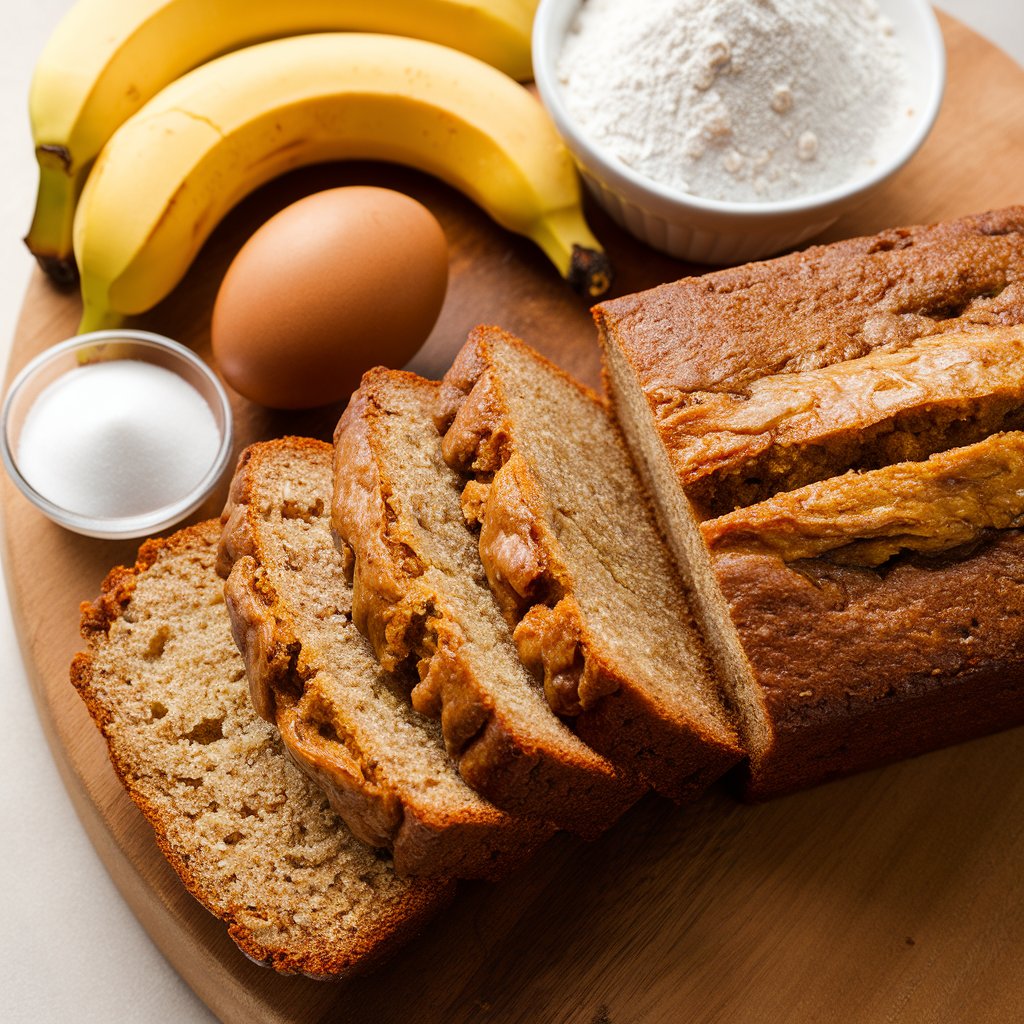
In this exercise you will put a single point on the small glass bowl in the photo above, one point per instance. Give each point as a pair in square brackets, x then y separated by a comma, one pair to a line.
[103, 346]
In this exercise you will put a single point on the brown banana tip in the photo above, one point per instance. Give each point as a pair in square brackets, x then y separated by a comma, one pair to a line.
[590, 272]
[61, 270]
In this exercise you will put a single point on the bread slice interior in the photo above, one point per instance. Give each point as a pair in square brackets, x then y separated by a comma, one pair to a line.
[575, 556]
[251, 837]
[343, 719]
[422, 596]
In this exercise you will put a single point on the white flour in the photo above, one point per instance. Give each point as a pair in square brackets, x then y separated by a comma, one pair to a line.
[738, 99]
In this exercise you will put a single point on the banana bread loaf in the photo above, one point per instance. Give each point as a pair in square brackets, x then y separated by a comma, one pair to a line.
[249, 835]
[422, 597]
[344, 721]
[764, 386]
[577, 563]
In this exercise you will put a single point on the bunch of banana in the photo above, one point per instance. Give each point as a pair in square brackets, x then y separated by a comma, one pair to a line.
[170, 173]
[108, 57]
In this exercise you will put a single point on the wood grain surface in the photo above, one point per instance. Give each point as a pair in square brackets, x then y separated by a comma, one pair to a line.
[894, 896]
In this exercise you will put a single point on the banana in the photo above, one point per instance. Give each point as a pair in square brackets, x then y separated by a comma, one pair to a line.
[170, 173]
[108, 57]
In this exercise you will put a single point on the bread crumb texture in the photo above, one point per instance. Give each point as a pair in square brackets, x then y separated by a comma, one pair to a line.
[344, 720]
[251, 837]
[422, 596]
[576, 561]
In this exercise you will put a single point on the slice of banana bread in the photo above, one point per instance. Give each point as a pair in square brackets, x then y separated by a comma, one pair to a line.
[421, 595]
[739, 386]
[575, 558]
[343, 720]
[250, 836]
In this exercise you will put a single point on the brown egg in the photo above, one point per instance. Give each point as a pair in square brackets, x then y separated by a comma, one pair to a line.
[336, 283]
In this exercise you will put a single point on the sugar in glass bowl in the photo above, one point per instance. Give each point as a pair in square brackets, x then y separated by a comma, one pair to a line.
[716, 231]
[116, 434]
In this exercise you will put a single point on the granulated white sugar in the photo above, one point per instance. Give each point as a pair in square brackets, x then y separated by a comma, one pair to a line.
[740, 100]
[117, 438]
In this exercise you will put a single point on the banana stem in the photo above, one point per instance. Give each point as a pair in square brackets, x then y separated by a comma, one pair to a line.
[99, 318]
[590, 273]
[49, 237]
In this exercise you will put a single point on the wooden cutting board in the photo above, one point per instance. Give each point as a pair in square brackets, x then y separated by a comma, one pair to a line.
[894, 896]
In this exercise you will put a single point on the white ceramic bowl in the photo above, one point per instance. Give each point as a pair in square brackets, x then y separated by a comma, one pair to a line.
[713, 231]
[101, 346]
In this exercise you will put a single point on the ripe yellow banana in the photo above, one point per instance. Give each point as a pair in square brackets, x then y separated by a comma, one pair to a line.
[170, 173]
[108, 57]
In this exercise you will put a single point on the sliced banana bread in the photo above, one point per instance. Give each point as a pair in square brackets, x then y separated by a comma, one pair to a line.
[421, 595]
[343, 720]
[250, 836]
[576, 560]
[763, 386]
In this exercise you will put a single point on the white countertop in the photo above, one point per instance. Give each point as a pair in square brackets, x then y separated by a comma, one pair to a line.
[70, 947]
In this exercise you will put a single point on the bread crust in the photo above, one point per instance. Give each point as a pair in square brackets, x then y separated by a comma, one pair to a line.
[950, 500]
[824, 305]
[857, 668]
[773, 375]
[526, 567]
[791, 429]
[290, 688]
[410, 623]
[396, 921]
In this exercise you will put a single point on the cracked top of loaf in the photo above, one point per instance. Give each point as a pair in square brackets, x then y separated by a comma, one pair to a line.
[949, 500]
[772, 375]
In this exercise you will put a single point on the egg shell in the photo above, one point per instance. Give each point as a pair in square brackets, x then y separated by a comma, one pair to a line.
[337, 282]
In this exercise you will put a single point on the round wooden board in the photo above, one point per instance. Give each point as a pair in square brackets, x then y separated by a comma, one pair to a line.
[893, 896]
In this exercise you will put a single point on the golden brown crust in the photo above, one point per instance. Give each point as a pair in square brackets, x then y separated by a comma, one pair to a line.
[520, 553]
[260, 624]
[291, 689]
[396, 921]
[385, 605]
[733, 365]
[856, 668]
[950, 500]
[553, 643]
[397, 605]
[275, 666]
[786, 430]
[526, 567]
[823, 305]
[518, 550]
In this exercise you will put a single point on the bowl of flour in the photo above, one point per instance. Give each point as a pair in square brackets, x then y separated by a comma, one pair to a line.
[720, 131]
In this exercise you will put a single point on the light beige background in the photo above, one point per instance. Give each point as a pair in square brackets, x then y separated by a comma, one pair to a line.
[70, 949]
